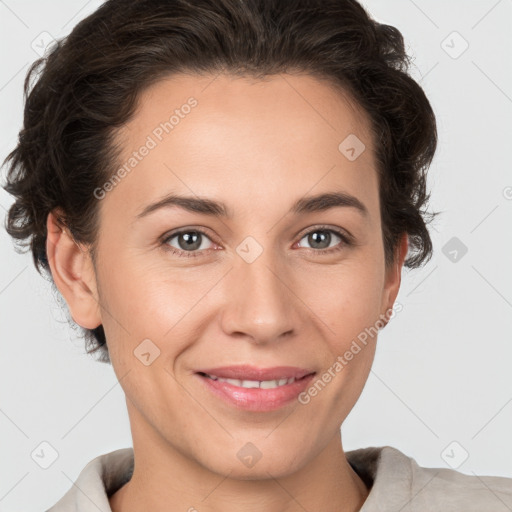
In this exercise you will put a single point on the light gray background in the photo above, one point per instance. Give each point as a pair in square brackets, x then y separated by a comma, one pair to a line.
[442, 371]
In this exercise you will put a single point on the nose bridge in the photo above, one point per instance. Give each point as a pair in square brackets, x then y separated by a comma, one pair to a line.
[260, 302]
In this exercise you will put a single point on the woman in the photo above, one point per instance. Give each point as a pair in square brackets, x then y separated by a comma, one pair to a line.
[225, 194]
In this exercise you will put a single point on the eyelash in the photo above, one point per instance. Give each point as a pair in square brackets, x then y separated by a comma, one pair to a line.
[346, 242]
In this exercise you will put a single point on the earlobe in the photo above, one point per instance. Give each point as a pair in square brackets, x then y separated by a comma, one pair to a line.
[73, 273]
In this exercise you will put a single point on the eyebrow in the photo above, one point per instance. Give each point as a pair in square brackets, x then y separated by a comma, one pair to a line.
[316, 203]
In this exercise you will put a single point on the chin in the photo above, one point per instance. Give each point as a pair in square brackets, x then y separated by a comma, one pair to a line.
[276, 465]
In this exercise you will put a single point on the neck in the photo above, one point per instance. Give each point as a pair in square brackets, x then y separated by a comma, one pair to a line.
[165, 478]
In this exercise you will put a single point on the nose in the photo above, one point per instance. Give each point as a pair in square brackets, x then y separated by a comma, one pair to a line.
[261, 303]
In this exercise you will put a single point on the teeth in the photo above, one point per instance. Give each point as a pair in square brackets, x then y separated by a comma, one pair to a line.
[263, 384]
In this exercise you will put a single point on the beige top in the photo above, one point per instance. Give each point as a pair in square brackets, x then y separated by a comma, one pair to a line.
[397, 484]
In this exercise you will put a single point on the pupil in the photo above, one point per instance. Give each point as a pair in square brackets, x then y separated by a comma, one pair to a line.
[191, 240]
[322, 235]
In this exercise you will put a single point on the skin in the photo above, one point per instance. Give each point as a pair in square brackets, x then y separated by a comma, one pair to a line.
[257, 146]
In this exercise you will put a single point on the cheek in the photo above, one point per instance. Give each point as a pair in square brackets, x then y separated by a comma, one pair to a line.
[347, 304]
[145, 299]
[152, 302]
[346, 299]
[346, 307]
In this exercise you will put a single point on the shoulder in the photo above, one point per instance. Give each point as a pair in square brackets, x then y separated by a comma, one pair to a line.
[399, 483]
[100, 478]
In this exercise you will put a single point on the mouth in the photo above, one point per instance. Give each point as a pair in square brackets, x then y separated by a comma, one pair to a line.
[248, 372]
[254, 394]
[252, 384]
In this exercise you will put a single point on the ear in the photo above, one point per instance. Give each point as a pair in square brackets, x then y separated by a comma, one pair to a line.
[393, 277]
[73, 273]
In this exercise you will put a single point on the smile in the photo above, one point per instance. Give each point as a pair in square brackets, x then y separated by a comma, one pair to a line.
[263, 384]
[255, 395]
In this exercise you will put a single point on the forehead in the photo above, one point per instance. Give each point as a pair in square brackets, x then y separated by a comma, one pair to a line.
[211, 135]
[308, 102]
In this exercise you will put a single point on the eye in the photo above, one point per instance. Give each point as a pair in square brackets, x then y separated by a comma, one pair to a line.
[189, 242]
[321, 237]
[192, 242]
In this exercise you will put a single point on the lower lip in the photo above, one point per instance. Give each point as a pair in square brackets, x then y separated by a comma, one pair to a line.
[256, 399]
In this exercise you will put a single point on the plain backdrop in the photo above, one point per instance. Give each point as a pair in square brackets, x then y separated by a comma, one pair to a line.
[441, 386]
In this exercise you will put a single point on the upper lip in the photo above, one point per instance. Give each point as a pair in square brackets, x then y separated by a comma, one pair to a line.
[248, 372]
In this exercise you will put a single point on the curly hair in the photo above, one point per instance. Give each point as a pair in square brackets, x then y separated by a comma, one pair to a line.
[87, 85]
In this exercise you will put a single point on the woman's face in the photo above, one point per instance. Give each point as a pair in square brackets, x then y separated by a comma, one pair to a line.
[274, 279]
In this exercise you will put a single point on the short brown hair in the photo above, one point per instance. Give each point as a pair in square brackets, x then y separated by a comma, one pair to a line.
[89, 82]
